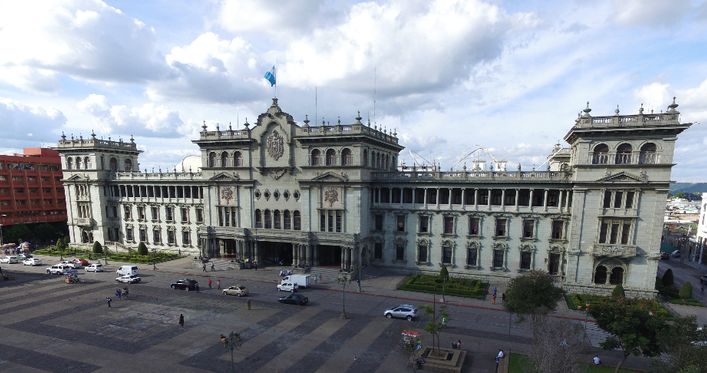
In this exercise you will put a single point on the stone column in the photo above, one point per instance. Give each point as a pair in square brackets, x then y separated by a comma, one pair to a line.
[530, 201]
[308, 255]
[517, 198]
[503, 198]
[401, 196]
[450, 198]
[294, 253]
[425, 197]
[343, 260]
[476, 198]
[463, 198]
[437, 199]
[545, 200]
[256, 255]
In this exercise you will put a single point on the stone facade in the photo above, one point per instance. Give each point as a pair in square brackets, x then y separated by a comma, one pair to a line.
[325, 195]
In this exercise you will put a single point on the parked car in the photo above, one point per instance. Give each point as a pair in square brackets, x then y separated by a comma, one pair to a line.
[32, 262]
[676, 254]
[58, 269]
[81, 262]
[237, 290]
[128, 279]
[294, 298]
[95, 267]
[287, 286]
[71, 264]
[185, 284]
[664, 256]
[23, 256]
[403, 311]
[9, 259]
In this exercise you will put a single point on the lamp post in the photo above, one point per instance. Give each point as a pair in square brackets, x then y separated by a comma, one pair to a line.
[231, 343]
[343, 279]
[1, 242]
[586, 316]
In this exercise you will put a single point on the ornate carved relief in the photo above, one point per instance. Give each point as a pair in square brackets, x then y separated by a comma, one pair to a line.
[275, 145]
[331, 196]
[226, 194]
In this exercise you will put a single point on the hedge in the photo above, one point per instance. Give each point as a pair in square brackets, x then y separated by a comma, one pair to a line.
[461, 287]
[131, 257]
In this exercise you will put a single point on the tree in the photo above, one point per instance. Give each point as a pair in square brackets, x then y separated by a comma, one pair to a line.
[686, 290]
[16, 233]
[634, 324]
[532, 294]
[142, 248]
[435, 325]
[680, 354]
[97, 248]
[60, 248]
[444, 277]
[668, 280]
[618, 292]
[557, 346]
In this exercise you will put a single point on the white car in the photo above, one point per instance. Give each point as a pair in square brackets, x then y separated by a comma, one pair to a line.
[72, 264]
[237, 290]
[32, 262]
[95, 267]
[128, 279]
[58, 269]
[287, 286]
[9, 259]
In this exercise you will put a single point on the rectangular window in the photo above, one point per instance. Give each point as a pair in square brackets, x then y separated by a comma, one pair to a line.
[625, 233]
[143, 234]
[126, 211]
[156, 237]
[557, 226]
[424, 224]
[483, 196]
[469, 196]
[525, 258]
[129, 234]
[474, 225]
[378, 251]
[378, 221]
[602, 232]
[553, 266]
[614, 233]
[471, 256]
[498, 259]
[449, 225]
[199, 215]
[607, 199]
[171, 239]
[155, 211]
[419, 196]
[446, 255]
[524, 197]
[185, 214]
[496, 195]
[629, 199]
[617, 199]
[528, 228]
[322, 221]
[501, 227]
[510, 197]
[339, 220]
[186, 238]
[141, 213]
[422, 253]
[400, 252]
[169, 213]
[330, 221]
[400, 223]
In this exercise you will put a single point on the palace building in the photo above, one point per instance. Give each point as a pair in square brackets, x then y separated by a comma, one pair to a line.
[334, 195]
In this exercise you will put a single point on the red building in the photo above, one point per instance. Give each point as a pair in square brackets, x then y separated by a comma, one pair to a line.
[30, 188]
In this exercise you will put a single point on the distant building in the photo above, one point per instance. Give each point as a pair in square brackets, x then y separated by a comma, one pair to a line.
[30, 188]
[697, 252]
[333, 195]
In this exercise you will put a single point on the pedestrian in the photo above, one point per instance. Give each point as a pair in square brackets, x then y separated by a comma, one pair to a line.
[108, 300]
[503, 297]
[203, 267]
[358, 281]
[181, 320]
[596, 360]
[154, 266]
[209, 282]
[499, 356]
[125, 292]
[702, 288]
[213, 267]
[118, 293]
[255, 264]
[493, 299]
[495, 291]
[459, 344]
[218, 284]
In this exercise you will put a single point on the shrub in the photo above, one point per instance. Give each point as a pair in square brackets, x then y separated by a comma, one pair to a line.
[686, 290]
[142, 248]
[668, 280]
[618, 292]
[97, 248]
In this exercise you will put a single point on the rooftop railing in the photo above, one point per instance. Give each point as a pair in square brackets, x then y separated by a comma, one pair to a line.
[464, 175]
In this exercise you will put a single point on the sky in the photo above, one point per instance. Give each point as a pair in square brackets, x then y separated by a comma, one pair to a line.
[448, 76]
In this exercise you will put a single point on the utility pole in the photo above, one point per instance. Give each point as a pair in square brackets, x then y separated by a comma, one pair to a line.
[344, 277]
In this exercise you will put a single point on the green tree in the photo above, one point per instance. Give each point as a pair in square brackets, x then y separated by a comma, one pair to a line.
[686, 290]
[436, 323]
[532, 294]
[618, 292]
[16, 233]
[97, 247]
[681, 355]
[142, 248]
[60, 248]
[443, 277]
[634, 325]
[668, 279]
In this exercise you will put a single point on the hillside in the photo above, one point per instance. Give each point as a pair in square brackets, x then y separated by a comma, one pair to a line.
[688, 187]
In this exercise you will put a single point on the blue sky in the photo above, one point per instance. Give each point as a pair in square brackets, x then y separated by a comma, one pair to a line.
[450, 76]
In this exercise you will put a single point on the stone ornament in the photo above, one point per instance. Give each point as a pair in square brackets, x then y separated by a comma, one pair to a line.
[227, 194]
[275, 145]
[331, 195]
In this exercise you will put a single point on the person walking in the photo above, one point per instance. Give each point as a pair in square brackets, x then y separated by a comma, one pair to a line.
[255, 264]
[596, 360]
[358, 281]
[108, 300]
[499, 357]
[203, 267]
[493, 298]
[181, 320]
[118, 293]
[218, 284]
[209, 282]
[213, 267]
[125, 292]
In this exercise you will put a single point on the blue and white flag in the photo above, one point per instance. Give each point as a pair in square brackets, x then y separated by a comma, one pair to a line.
[270, 77]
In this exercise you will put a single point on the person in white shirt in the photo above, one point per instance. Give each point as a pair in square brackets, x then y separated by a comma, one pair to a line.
[596, 360]
[499, 356]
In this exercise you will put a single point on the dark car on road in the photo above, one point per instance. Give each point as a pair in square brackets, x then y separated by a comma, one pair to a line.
[294, 298]
[185, 284]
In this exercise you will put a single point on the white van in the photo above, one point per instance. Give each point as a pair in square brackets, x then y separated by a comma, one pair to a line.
[127, 270]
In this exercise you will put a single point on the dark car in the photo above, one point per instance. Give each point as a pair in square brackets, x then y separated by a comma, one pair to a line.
[294, 299]
[664, 255]
[185, 284]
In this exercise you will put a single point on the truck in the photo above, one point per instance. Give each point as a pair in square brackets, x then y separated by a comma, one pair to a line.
[302, 281]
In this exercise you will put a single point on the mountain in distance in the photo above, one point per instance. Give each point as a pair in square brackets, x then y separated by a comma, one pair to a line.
[677, 187]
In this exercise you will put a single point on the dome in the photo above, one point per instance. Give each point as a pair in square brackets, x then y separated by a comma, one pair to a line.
[190, 163]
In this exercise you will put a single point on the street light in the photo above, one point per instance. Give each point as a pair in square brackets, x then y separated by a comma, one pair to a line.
[343, 279]
[231, 343]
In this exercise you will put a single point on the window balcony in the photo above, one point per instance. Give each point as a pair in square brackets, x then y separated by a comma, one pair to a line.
[613, 251]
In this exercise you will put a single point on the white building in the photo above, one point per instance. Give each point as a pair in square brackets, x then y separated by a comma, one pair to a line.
[332, 195]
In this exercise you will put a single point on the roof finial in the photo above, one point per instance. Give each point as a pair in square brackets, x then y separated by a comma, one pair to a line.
[673, 106]
[93, 135]
[204, 126]
[640, 110]
[338, 120]
[63, 136]
[246, 124]
[617, 110]
[306, 120]
[358, 117]
[587, 110]
[132, 139]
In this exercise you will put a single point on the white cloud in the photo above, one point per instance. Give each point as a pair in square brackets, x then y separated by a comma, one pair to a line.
[83, 38]
[22, 124]
[650, 13]
[268, 16]
[653, 96]
[149, 119]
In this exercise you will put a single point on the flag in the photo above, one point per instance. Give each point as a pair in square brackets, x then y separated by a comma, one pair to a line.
[270, 77]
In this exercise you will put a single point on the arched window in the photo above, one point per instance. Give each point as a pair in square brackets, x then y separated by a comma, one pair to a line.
[103, 160]
[78, 163]
[617, 276]
[268, 219]
[316, 154]
[224, 159]
[238, 159]
[113, 164]
[365, 157]
[623, 154]
[330, 157]
[600, 275]
[212, 159]
[386, 166]
[69, 163]
[86, 163]
[346, 159]
[288, 222]
[648, 155]
[128, 165]
[601, 154]
[258, 219]
[276, 219]
[296, 221]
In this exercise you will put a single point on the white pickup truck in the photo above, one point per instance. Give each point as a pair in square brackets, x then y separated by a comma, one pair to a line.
[302, 281]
